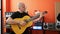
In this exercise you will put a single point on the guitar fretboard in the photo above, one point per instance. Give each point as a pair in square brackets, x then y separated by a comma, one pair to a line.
[32, 18]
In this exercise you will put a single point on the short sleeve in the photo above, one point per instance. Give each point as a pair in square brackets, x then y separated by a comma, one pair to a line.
[13, 15]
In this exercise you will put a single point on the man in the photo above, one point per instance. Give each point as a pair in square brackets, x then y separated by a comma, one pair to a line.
[19, 14]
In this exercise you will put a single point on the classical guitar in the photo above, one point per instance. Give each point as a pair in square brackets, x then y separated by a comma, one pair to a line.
[20, 29]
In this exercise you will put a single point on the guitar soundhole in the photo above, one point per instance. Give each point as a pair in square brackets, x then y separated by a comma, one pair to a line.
[19, 26]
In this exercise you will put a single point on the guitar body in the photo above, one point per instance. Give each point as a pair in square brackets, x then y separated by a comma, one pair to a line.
[16, 29]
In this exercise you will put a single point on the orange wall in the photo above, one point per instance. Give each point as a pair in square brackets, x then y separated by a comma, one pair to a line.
[3, 12]
[8, 7]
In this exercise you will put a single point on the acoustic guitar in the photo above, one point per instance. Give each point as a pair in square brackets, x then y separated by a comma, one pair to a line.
[18, 29]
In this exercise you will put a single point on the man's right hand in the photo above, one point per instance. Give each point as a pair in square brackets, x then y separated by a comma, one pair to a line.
[14, 22]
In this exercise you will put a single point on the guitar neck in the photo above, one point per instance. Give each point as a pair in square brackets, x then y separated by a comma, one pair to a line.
[37, 16]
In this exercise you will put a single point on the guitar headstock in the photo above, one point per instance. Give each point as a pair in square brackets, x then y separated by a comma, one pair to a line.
[40, 13]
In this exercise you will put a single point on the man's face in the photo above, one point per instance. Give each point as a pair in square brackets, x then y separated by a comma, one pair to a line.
[22, 8]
